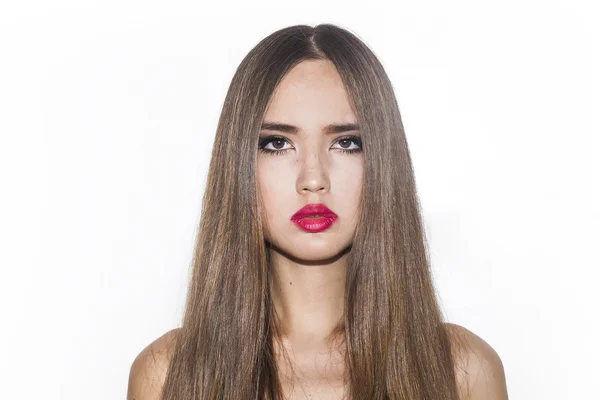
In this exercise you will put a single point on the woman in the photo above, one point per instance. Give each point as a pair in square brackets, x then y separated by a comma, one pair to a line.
[311, 277]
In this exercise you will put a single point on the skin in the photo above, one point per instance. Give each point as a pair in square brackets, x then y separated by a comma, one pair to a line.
[308, 284]
[310, 267]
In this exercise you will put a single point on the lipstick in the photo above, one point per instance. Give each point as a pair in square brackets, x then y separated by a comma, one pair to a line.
[314, 217]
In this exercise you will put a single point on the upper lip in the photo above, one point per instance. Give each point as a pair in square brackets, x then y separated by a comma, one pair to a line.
[311, 210]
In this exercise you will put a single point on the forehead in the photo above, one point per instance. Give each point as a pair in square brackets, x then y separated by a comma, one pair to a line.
[310, 96]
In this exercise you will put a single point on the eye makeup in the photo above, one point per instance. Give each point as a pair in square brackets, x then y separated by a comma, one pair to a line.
[275, 138]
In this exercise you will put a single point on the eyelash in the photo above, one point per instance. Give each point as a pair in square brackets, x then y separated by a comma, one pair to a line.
[269, 139]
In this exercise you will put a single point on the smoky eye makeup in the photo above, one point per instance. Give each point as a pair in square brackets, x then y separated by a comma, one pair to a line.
[277, 140]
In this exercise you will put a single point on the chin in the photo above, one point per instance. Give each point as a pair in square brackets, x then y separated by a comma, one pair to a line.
[312, 250]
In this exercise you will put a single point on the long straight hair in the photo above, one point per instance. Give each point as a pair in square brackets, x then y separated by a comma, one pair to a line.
[396, 344]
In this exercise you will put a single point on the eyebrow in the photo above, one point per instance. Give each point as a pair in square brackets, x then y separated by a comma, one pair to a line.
[291, 129]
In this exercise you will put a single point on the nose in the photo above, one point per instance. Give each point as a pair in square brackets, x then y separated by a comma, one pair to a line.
[313, 176]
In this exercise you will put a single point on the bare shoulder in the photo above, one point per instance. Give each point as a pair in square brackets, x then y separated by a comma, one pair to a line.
[149, 369]
[479, 369]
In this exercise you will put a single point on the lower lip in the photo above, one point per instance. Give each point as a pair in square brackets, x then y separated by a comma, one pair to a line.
[317, 224]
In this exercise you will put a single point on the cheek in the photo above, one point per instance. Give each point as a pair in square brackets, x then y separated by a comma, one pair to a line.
[274, 192]
[350, 181]
[271, 184]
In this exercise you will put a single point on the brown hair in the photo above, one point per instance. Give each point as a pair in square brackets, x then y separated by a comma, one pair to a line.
[396, 344]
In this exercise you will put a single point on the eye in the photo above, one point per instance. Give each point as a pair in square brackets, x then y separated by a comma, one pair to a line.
[348, 141]
[276, 144]
[277, 140]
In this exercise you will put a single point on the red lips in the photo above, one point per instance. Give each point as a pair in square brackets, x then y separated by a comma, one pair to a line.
[314, 217]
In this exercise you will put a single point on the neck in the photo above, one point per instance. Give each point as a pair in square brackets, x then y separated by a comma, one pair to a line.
[308, 297]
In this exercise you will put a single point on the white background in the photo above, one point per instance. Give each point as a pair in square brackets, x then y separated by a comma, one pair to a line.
[108, 112]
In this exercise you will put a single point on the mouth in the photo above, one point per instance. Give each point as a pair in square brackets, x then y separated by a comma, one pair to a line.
[314, 217]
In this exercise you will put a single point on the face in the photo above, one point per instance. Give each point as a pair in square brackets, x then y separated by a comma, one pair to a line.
[308, 163]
